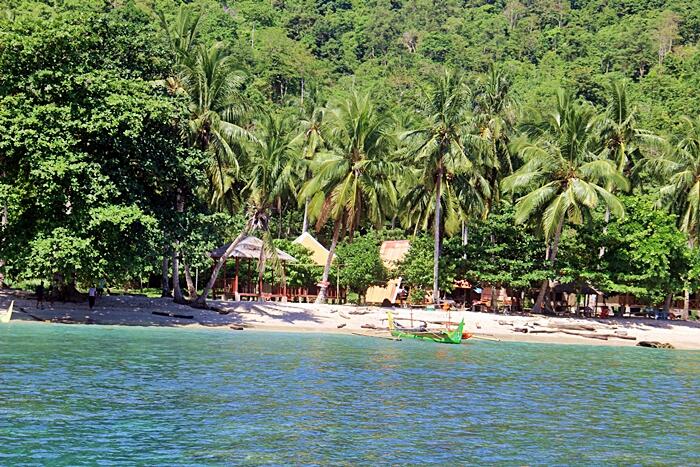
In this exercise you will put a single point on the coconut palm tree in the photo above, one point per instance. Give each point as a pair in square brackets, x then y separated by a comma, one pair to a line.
[622, 136]
[353, 178]
[218, 112]
[449, 157]
[210, 79]
[495, 113]
[565, 176]
[310, 141]
[679, 167]
[269, 167]
[620, 131]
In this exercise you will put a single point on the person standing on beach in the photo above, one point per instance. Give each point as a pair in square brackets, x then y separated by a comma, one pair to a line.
[92, 293]
[40, 295]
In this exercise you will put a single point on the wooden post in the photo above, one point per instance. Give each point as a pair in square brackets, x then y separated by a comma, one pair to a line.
[235, 277]
[224, 268]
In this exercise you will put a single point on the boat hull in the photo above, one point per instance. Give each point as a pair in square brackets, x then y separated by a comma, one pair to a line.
[441, 337]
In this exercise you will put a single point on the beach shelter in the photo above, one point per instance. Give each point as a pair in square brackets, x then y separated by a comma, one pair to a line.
[243, 283]
[391, 252]
[319, 253]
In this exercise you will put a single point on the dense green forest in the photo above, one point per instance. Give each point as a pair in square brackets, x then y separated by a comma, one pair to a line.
[561, 138]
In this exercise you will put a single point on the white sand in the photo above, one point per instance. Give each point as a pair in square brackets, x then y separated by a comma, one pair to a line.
[137, 311]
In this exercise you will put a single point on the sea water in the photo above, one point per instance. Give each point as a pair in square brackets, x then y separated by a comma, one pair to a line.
[99, 395]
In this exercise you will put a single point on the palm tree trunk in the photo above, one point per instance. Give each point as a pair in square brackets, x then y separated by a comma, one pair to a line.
[3, 224]
[601, 252]
[686, 305]
[177, 292]
[436, 233]
[191, 289]
[321, 298]
[165, 286]
[552, 260]
[305, 225]
[201, 301]
[261, 271]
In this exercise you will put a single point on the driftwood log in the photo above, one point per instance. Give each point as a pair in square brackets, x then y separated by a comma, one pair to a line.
[171, 315]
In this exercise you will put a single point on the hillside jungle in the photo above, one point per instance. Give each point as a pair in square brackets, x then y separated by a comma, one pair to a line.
[515, 143]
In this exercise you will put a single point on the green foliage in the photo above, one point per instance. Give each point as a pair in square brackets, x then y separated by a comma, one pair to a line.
[302, 272]
[360, 264]
[501, 253]
[133, 128]
[646, 253]
[416, 269]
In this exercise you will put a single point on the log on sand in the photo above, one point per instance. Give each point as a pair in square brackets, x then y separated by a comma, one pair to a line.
[171, 315]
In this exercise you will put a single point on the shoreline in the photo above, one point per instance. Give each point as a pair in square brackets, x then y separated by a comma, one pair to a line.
[129, 310]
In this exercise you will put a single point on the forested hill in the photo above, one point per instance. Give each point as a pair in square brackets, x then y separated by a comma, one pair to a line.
[388, 45]
[135, 134]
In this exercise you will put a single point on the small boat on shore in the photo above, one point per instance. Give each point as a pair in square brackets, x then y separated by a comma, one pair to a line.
[7, 316]
[441, 337]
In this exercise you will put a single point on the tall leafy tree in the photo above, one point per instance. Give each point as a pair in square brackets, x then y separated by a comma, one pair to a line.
[353, 180]
[565, 175]
[448, 157]
[679, 167]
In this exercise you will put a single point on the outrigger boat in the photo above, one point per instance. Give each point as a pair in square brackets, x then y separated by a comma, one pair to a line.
[442, 337]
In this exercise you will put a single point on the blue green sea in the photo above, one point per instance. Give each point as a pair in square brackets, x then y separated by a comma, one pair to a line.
[99, 395]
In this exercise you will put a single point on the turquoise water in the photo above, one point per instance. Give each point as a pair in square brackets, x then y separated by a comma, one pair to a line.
[72, 395]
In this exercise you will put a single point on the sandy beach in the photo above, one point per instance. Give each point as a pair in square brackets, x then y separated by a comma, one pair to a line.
[135, 310]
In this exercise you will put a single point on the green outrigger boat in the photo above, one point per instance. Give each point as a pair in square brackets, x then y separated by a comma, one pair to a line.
[441, 337]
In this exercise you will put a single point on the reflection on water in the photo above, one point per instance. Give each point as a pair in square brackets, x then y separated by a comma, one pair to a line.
[83, 394]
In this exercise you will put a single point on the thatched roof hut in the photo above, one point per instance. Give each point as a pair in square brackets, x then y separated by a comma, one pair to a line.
[249, 248]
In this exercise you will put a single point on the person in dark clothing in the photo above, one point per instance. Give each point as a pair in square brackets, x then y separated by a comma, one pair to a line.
[92, 293]
[40, 295]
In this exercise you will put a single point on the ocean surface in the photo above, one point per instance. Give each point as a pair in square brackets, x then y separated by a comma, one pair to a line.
[98, 395]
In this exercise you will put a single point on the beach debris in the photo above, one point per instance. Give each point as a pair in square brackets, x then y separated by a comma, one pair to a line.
[505, 323]
[171, 315]
[523, 330]
[236, 327]
[368, 326]
[655, 345]
[341, 325]
[343, 315]
[358, 312]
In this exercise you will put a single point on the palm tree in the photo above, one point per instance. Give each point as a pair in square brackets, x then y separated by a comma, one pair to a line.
[310, 141]
[448, 157]
[269, 170]
[353, 179]
[565, 175]
[495, 113]
[210, 79]
[620, 132]
[271, 175]
[218, 112]
[679, 167]
[621, 135]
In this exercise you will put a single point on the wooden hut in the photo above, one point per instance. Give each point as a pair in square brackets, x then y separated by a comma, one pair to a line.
[244, 282]
[319, 255]
[392, 252]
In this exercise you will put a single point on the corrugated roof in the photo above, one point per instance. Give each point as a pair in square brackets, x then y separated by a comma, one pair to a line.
[250, 247]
